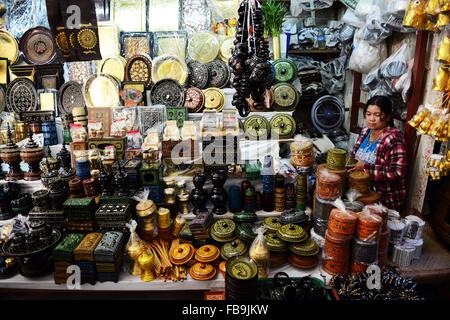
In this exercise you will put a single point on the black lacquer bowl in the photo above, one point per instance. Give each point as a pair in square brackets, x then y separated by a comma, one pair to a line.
[34, 249]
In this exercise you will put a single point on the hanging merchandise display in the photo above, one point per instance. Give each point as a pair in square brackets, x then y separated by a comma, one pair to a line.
[254, 76]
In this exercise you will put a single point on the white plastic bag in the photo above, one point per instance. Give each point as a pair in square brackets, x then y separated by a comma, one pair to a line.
[351, 19]
[397, 64]
[368, 7]
[366, 57]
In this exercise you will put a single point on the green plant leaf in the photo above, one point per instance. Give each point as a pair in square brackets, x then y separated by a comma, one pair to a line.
[274, 14]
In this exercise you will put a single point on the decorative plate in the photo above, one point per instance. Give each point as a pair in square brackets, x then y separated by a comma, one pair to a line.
[226, 49]
[284, 125]
[256, 127]
[214, 99]
[21, 96]
[194, 99]
[203, 46]
[241, 268]
[114, 66]
[285, 70]
[218, 73]
[101, 90]
[169, 67]
[139, 68]
[286, 97]
[167, 92]
[133, 43]
[198, 74]
[38, 46]
[2, 98]
[170, 42]
[8, 47]
[70, 95]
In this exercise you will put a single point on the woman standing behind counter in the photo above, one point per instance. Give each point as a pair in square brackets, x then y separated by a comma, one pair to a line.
[381, 152]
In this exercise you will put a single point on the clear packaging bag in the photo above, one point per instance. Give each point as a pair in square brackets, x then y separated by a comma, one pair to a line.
[78, 133]
[134, 248]
[259, 252]
[134, 139]
[129, 114]
[118, 128]
[95, 129]
[375, 29]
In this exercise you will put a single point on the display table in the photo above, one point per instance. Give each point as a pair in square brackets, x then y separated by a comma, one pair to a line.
[128, 282]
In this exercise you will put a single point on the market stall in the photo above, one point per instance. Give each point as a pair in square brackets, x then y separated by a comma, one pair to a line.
[203, 145]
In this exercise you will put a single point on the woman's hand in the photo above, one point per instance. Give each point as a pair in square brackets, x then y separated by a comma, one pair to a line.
[359, 166]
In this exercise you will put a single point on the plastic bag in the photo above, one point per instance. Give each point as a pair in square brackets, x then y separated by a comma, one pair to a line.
[188, 131]
[397, 64]
[109, 153]
[375, 29]
[118, 128]
[129, 15]
[171, 43]
[129, 114]
[365, 8]
[196, 16]
[151, 141]
[95, 129]
[24, 15]
[134, 248]
[346, 33]
[309, 5]
[351, 203]
[171, 132]
[259, 252]
[164, 15]
[397, 7]
[351, 19]
[403, 85]
[395, 23]
[366, 57]
[134, 139]
[223, 9]
[78, 133]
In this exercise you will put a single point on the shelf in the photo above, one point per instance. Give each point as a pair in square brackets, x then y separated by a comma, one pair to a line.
[325, 51]
[128, 282]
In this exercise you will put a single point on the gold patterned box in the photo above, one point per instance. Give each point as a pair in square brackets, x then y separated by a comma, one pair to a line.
[85, 250]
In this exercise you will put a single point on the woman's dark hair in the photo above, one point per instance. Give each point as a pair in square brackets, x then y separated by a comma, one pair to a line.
[384, 103]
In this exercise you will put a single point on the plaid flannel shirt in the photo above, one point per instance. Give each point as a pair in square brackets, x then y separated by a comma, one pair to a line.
[388, 174]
